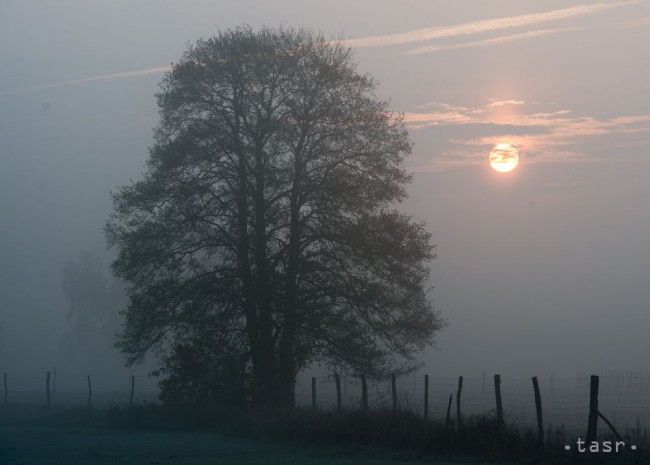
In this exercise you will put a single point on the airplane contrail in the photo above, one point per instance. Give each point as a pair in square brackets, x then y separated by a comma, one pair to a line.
[101, 77]
[485, 25]
[487, 42]
[418, 35]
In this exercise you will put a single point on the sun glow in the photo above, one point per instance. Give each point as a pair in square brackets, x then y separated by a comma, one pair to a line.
[504, 157]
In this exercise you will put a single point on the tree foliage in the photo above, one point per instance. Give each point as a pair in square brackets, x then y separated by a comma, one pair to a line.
[206, 368]
[268, 212]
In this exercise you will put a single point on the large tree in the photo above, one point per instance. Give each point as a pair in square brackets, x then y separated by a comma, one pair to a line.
[268, 212]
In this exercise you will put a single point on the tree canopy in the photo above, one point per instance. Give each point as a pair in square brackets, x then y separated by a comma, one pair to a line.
[268, 214]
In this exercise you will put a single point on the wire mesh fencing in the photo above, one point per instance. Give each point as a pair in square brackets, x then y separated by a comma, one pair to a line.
[623, 397]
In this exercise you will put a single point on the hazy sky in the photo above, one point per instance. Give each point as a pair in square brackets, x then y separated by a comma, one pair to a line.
[542, 270]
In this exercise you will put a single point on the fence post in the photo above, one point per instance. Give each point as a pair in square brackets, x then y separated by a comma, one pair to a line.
[90, 398]
[4, 382]
[448, 420]
[393, 387]
[497, 396]
[337, 380]
[593, 409]
[132, 391]
[426, 397]
[313, 393]
[47, 388]
[364, 393]
[538, 409]
[459, 418]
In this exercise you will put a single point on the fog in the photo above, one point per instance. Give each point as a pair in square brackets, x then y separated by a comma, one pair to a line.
[544, 271]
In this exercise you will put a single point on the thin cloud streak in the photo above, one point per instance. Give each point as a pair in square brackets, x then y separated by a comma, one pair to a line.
[487, 42]
[486, 25]
[102, 77]
[641, 22]
[633, 23]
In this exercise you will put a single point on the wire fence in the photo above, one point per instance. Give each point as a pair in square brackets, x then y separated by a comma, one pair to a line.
[86, 390]
[100, 398]
[623, 398]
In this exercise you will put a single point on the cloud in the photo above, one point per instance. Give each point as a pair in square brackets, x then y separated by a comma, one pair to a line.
[486, 25]
[486, 42]
[556, 136]
[502, 103]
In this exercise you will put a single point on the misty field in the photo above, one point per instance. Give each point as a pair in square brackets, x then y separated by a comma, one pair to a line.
[359, 233]
[74, 446]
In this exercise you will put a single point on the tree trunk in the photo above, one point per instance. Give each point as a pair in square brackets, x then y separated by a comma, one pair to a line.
[262, 282]
[261, 382]
[287, 362]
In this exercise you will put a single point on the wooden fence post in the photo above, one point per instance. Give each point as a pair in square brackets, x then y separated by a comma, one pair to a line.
[592, 425]
[393, 387]
[132, 391]
[90, 397]
[313, 393]
[47, 388]
[4, 382]
[364, 393]
[448, 420]
[538, 409]
[337, 380]
[426, 397]
[459, 418]
[497, 396]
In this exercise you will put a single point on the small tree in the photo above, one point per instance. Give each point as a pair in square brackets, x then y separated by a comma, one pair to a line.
[93, 307]
[267, 212]
[94, 303]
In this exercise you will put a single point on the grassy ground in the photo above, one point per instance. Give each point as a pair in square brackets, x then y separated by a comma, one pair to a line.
[153, 434]
[90, 446]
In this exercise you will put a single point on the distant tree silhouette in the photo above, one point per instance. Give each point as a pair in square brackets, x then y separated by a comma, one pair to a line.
[94, 303]
[267, 211]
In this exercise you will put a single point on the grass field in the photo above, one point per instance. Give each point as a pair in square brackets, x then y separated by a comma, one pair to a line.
[193, 434]
[87, 446]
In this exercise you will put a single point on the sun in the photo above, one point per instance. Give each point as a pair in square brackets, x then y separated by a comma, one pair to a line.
[504, 158]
